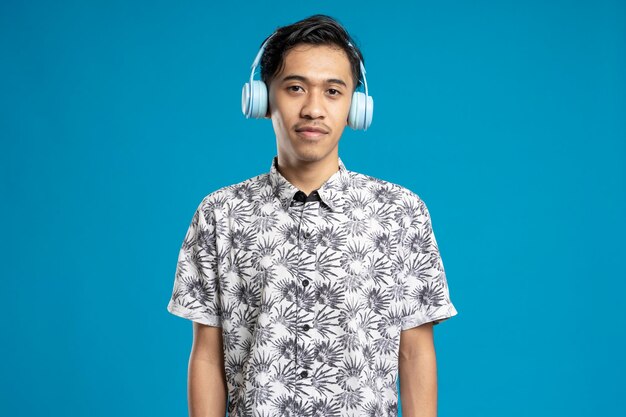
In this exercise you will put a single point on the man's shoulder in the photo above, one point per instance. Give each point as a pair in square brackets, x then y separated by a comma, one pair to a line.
[396, 192]
[242, 190]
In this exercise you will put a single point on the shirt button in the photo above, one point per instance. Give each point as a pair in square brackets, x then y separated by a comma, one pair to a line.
[305, 282]
[306, 327]
[304, 374]
[307, 235]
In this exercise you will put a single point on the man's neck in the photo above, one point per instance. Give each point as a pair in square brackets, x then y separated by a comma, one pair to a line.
[308, 176]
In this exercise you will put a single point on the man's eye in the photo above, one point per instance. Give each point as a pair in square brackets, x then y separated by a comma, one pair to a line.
[293, 87]
[336, 92]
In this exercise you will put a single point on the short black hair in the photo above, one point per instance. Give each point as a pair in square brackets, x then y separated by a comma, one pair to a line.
[318, 29]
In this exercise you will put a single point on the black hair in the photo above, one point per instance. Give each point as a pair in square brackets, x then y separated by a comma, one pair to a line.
[318, 29]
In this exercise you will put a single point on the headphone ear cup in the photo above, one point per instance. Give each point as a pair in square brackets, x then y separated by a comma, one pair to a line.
[254, 100]
[245, 99]
[358, 118]
[370, 112]
[354, 108]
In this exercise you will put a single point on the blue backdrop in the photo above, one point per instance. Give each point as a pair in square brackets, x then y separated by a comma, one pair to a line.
[507, 118]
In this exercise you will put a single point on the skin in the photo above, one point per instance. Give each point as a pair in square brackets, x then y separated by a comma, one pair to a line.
[307, 164]
[207, 393]
[417, 370]
[312, 100]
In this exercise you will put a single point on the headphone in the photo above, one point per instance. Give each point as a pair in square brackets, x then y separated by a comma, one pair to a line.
[254, 98]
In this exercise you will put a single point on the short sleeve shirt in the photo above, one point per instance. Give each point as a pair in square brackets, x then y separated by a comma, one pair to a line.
[311, 292]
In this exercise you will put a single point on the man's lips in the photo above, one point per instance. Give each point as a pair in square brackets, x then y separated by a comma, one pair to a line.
[311, 131]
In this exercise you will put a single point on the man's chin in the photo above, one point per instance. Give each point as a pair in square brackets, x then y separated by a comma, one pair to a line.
[311, 153]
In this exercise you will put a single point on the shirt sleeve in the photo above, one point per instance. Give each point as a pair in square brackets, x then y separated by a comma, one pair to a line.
[427, 297]
[195, 295]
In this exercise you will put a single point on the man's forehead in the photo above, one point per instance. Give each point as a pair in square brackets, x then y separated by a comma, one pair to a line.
[331, 52]
[318, 63]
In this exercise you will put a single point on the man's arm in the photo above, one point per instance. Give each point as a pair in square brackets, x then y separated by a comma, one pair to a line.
[417, 368]
[207, 389]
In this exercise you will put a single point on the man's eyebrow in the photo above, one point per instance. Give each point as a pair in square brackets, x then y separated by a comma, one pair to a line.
[306, 80]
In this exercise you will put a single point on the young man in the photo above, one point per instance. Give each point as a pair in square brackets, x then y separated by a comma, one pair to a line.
[311, 287]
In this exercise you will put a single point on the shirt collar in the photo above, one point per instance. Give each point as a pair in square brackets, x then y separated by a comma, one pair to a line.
[331, 192]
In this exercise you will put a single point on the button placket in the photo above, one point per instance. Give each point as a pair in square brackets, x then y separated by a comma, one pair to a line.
[307, 227]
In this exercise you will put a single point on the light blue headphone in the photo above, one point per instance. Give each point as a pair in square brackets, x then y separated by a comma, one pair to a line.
[254, 98]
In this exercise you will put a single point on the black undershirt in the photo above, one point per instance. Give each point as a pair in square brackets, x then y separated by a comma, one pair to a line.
[300, 196]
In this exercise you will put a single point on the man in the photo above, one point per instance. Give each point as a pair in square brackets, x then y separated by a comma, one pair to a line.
[311, 287]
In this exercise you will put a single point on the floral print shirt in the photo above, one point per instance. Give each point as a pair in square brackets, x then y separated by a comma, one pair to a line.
[311, 292]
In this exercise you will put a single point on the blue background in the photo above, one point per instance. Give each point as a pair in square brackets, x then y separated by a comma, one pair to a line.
[507, 118]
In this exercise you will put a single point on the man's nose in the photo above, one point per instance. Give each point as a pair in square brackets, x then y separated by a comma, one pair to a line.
[313, 106]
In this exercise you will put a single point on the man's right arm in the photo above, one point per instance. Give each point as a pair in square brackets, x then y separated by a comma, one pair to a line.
[207, 389]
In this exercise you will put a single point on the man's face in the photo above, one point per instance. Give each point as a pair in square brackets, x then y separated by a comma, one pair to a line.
[313, 91]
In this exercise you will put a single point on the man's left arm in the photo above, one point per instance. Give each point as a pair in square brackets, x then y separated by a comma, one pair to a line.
[417, 368]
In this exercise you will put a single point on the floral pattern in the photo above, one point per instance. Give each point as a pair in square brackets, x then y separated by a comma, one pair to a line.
[311, 292]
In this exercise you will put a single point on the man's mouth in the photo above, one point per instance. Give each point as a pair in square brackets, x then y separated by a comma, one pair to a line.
[311, 131]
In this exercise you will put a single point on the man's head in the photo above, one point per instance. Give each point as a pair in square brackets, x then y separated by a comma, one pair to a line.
[311, 73]
[318, 29]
